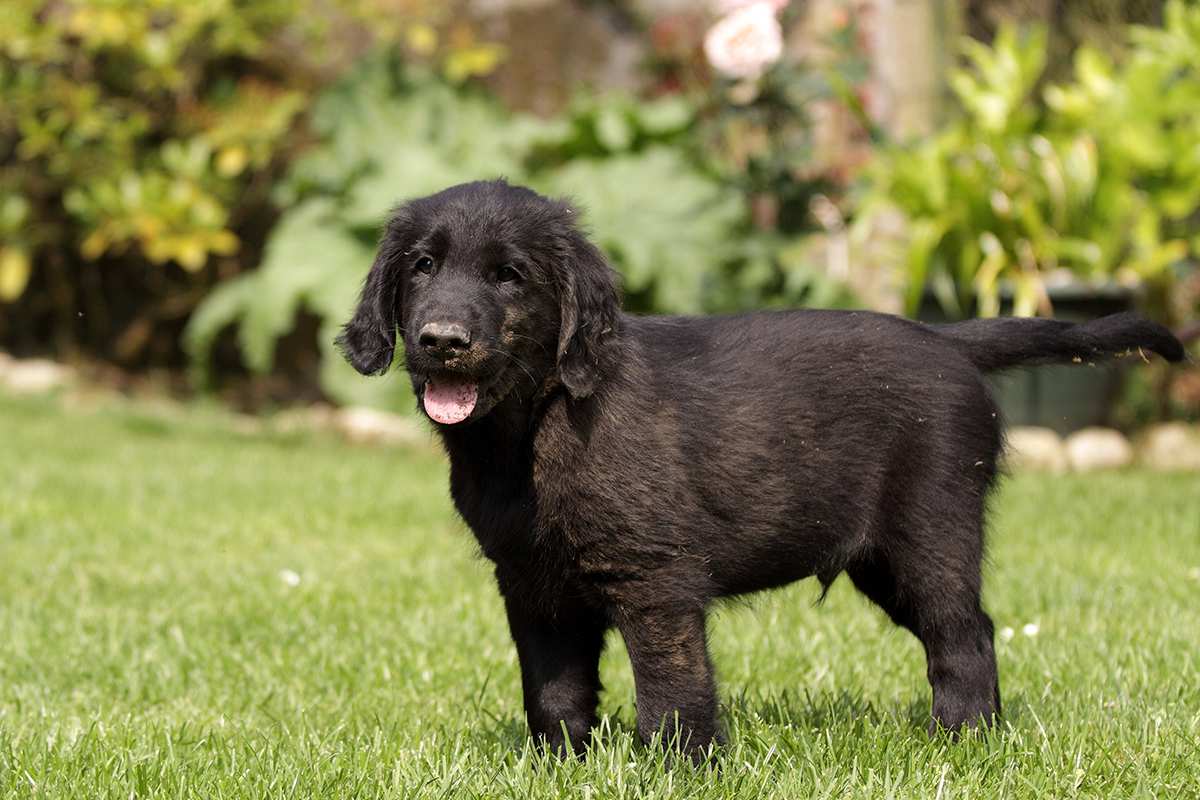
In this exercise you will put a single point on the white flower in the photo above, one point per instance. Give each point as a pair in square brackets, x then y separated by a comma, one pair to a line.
[1006, 634]
[1030, 629]
[289, 577]
[746, 42]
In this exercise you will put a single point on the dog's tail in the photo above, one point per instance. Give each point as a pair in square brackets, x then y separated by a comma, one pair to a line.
[994, 344]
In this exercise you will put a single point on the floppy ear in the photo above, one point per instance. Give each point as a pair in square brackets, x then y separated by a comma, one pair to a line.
[589, 308]
[368, 340]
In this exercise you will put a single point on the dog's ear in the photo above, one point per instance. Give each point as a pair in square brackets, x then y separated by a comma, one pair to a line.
[588, 313]
[368, 340]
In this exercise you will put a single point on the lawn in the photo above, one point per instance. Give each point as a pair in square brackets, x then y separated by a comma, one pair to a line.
[187, 610]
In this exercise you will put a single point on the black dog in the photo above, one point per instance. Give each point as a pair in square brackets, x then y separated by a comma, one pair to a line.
[626, 471]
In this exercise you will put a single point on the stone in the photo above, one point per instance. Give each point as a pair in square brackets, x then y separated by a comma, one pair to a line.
[368, 425]
[316, 417]
[246, 424]
[34, 376]
[1098, 448]
[1170, 446]
[1034, 448]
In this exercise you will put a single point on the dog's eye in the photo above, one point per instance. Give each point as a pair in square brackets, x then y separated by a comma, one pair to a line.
[506, 273]
[424, 264]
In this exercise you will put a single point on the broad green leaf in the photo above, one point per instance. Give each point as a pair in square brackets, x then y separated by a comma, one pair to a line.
[666, 226]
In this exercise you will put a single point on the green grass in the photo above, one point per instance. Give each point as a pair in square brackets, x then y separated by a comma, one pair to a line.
[150, 644]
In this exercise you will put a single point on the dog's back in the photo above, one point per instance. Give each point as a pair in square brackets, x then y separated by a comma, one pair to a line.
[771, 444]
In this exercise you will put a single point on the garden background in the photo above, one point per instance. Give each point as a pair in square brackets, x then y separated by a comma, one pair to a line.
[192, 190]
[206, 591]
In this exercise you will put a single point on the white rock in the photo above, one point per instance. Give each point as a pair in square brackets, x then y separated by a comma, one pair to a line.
[378, 427]
[1035, 448]
[1172, 445]
[1098, 448]
[246, 424]
[319, 416]
[34, 376]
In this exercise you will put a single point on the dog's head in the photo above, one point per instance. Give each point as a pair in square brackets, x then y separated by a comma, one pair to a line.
[494, 291]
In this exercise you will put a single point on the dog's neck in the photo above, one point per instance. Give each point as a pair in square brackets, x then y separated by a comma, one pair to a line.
[502, 438]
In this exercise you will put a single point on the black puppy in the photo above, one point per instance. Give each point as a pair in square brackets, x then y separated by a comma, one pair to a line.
[626, 471]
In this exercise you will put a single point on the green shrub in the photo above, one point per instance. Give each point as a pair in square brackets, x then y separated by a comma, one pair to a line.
[1100, 182]
[668, 225]
[116, 138]
[139, 142]
[670, 209]
[384, 135]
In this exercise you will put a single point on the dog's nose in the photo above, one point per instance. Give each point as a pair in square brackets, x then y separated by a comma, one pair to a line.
[444, 338]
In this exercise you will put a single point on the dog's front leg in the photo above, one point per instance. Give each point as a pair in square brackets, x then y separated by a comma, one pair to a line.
[560, 674]
[676, 693]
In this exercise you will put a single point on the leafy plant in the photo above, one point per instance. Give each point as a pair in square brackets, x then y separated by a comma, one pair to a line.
[1099, 183]
[139, 142]
[664, 220]
[666, 227]
[107, 115]
[385, 135]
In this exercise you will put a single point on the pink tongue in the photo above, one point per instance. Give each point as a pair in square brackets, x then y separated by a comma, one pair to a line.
[449, 402]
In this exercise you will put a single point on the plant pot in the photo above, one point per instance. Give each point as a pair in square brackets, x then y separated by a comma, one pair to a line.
[1064, 398]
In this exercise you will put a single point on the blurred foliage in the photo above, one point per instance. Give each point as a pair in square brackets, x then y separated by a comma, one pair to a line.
[385, 131]
[143, 145]
[115, 136]
[1099, 183]
[680, 236]
[668, 225]
[762, 134]
[789, 141]
[1099, 23]
[678, 224]
[765, 136]
[144, 137]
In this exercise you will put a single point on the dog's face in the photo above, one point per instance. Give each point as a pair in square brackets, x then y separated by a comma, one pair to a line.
[495, 293]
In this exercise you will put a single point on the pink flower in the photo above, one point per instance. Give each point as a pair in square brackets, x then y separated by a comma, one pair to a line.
[745, 42]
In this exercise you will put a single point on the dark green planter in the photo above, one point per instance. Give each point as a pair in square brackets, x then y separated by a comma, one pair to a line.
[1064, 398]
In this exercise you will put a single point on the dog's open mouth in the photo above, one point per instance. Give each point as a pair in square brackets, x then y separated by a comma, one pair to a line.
[450, 400]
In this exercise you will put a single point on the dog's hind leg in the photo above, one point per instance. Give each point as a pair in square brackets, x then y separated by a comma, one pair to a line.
[934, 592]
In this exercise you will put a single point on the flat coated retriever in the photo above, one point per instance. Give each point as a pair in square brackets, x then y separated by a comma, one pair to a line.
[628, 470]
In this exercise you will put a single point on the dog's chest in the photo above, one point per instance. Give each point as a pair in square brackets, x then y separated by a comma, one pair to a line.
[494, 491]
[585, 508]
[550, 514]
[497, 504]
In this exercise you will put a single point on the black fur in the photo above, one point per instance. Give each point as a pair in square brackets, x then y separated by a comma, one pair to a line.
[628, 471]
[994, 344]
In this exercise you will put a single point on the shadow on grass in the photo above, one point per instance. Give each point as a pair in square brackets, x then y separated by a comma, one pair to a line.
[824, 710]
[805, 711]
